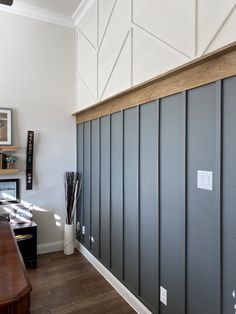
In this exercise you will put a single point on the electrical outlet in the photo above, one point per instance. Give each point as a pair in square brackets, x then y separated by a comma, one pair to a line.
[83, 229]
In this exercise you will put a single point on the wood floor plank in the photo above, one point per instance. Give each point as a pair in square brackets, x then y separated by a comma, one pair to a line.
[69, 285]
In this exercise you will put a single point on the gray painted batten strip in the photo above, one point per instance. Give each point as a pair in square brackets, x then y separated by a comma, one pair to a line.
[90, 187]
[185, 103]
[219, 94]
[138, 197]
[99, 182]
[83, 186]
[110, 211]
[122, 198]
[90, 183]
[158, 102]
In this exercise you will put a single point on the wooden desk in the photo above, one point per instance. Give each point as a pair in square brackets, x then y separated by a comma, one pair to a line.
[15, 286]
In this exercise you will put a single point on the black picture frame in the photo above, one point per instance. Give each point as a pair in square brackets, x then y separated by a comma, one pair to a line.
[9, 191]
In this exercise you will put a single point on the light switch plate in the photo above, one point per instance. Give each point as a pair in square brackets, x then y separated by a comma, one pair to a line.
[83, 230]
[205, 180]
[163, 295]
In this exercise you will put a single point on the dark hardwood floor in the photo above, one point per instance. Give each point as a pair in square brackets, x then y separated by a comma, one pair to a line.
[70, 284]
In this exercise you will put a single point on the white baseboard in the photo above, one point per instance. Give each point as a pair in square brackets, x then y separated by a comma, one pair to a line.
[50, 247]
[119, 287]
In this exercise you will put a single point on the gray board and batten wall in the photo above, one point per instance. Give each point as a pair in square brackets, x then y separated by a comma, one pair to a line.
[145, 217]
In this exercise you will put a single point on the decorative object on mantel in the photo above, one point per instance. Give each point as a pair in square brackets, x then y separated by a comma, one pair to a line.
[10, 159]
[72, 184]
[29, 160]
[5, 126]
[5, 150]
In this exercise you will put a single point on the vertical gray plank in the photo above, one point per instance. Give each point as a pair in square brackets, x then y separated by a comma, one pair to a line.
[80, 166]
[229, 195]
[131, 214]
[95, 187]
[87, 156]
[149, 205]
[116, 194]
[203, 239]
[172, 202]
[105, 192]
[122, 197]
[218, 186]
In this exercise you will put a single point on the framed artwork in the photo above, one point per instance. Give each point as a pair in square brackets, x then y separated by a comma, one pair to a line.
[5, 126]
[9, 191]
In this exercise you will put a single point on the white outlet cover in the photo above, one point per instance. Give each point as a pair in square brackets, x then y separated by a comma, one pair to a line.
[163, 295]
[205, 180]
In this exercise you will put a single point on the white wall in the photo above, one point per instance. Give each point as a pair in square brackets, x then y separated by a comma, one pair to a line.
[37, 82]
[121, 43]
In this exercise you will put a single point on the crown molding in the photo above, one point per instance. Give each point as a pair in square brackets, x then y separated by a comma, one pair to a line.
[39, 14]
[81, 10]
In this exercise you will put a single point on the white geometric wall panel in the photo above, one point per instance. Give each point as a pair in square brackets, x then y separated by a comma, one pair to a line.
[104, 14]
[150, 58]
[212, 15]
[120, 78]
[125, 42]
[87, 64]
[83, 94]
[90, 29]
[112, 42]
[225, 35]
[171, 21]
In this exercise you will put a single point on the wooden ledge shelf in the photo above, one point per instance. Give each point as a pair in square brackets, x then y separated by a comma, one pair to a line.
[214, 66]
[9, 171]
[8, 149]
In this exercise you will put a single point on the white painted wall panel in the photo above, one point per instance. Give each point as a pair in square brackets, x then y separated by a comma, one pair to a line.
[226, 35]
[121, 75]
[212, 15]
[113, 41]
[150, 58]
[171, 21]
[104, 14]
[163, 35]
[84, 94]
[90, 29]
[87, 64]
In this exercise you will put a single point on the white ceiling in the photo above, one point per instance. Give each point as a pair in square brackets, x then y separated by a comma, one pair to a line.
[66, 7]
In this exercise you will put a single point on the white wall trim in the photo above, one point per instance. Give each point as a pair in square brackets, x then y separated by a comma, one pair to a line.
[50, 247]
[81, 11]
[218, 30]
[119, 287]
[39, 14]
[163, 43]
